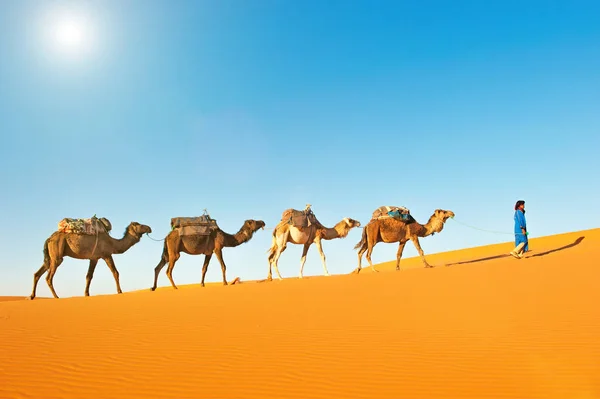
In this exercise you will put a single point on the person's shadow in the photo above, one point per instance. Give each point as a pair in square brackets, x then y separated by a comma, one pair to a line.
[571, 245]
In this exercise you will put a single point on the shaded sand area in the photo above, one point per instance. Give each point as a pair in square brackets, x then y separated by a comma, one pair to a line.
[486, 326]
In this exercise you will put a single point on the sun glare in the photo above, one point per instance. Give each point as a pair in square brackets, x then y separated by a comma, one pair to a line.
[69, 35]
[68, 32]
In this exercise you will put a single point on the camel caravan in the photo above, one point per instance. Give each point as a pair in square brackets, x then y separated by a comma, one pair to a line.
[90, 239]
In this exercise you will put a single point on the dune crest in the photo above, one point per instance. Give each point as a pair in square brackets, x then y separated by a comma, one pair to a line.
[480, 324]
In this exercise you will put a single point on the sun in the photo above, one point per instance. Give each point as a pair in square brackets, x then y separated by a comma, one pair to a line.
[68, 32]
[69, 35]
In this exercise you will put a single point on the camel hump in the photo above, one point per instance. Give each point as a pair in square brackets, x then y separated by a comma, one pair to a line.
[296, 218]
[106, 223]
[196, 225]
[396, 212]
[90, 226]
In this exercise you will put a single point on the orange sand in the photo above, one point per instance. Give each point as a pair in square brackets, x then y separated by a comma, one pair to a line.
[480, 328]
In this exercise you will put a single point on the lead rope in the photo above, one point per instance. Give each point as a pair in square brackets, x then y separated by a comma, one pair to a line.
[487, 231]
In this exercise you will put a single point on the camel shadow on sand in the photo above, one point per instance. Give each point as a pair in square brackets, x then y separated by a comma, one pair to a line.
[571, 245]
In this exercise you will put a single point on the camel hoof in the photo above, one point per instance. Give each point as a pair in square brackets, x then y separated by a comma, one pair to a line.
[31, 297]
[356, 271]
[376, 271]
[225, 283]
[428, 267]
[300, 276]
[152, 289]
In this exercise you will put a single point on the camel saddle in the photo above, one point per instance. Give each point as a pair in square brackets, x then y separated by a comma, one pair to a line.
[194, 226]
[395, 212]
[90, 226]
[298, 218]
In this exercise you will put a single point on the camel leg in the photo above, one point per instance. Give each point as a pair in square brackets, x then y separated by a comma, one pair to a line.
[361, 251]
[369, 252]
[415, 241]
[276, 259]
[303, 258]
[320, 249]
[172, 259]
[111, 265]
[36, 278]
[90, 275]
[51, 271]
[157, 270]
[399, 254]
[205, 267]
[272, 263]
[270, 275]
[219, 253]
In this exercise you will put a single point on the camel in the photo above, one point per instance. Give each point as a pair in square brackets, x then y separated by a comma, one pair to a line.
[389, 230]
[284, 233]
[86, 246]
[203, 245]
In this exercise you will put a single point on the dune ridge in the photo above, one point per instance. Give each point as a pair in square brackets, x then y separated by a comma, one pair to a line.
[484, 326]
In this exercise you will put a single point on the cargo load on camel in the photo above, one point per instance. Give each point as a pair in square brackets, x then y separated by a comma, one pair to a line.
[194, 226]
[89, 226]
[296, 218]
[394, 212]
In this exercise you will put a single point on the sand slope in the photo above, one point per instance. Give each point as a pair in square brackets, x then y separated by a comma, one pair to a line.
[480, 328]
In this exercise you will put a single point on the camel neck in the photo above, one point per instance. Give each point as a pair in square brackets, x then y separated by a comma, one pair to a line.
[238, 238]
[434, 225]
[123, 244]
[337, 231]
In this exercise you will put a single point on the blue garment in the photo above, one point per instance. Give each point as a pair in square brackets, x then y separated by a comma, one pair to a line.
[521, 223]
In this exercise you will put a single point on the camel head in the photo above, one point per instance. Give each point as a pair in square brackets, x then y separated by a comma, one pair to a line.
[351, 223]
[253, 225]
[137, 229]
[443, 215]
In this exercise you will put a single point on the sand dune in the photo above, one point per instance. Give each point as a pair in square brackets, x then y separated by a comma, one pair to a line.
[485, 326]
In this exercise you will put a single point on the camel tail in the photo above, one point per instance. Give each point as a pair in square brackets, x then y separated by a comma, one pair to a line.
[46, 253]
[363, 240]
[165, 252]
[273, 248]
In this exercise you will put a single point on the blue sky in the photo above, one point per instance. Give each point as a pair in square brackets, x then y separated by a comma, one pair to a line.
[247, 108]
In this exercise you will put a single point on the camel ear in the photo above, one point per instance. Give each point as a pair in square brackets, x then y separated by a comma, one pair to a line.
[347, 220]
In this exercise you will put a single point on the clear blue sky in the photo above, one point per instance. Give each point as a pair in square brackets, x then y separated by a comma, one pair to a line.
[251, 107]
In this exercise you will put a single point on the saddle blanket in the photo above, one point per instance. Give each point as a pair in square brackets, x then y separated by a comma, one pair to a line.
[298, 218]
[194, 226]
[396, 212]
[196, 230]
[89, 226]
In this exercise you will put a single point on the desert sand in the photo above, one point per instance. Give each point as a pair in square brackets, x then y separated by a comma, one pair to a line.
[481, 324]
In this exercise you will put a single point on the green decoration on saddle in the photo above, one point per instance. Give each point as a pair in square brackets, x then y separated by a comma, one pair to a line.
[393, 212]
[90, 226]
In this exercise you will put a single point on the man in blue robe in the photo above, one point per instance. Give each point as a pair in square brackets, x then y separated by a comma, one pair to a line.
[521, 241]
